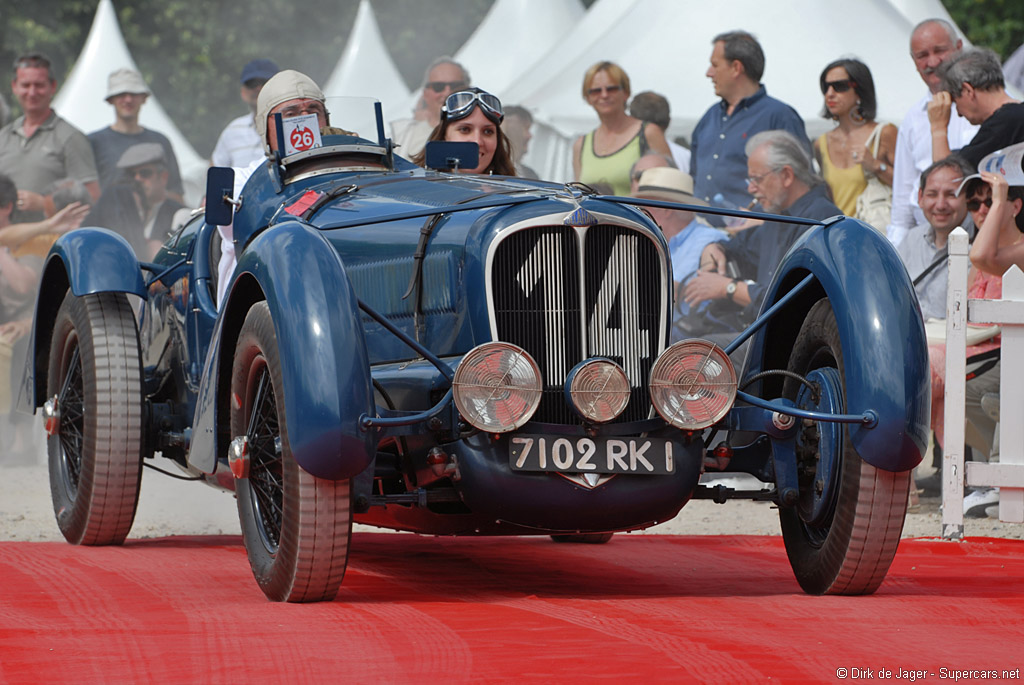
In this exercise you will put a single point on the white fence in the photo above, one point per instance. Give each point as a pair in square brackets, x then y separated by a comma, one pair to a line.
[1008, 473]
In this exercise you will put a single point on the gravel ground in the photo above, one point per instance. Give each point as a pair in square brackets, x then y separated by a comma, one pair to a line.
[173, 507]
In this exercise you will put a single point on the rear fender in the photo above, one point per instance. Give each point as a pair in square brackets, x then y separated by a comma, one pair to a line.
[88, 261]
[885, 349]
[325, 365]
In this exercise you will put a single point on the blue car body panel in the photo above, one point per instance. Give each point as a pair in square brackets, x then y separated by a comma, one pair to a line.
[885, 349]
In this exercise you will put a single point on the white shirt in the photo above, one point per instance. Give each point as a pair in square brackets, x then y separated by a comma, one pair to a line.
[680, 155]
[410, 135]
[239, 144]
[914, 155]
[228, 261]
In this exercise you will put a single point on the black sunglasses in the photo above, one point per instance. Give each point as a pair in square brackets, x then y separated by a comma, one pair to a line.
[837, 86]
[975, 205]
[439, 86]
[595, 92]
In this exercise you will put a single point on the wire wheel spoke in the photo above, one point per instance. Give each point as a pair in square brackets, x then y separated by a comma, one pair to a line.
[265, 466]
[71, 402]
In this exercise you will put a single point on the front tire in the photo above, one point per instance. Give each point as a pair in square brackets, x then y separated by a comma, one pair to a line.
[296, 527]
[95, 453]
[842, 535]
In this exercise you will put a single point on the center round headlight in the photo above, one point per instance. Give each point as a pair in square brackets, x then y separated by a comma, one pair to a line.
[598, 390]
[497, 387]
[693, 384]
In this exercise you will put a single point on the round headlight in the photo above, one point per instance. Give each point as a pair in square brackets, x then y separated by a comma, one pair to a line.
[693, 384]
[598, 390]
[497, 387]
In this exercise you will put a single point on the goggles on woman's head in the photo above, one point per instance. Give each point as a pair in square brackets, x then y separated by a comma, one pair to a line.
[459, 105]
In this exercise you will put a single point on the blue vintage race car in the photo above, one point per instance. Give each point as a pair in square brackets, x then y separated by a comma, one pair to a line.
[470, 355]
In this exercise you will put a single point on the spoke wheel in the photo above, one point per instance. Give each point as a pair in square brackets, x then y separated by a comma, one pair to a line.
[95, 454]
[296, 527]
[842, 535]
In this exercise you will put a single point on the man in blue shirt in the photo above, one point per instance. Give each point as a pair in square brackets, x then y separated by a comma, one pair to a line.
[718, 162]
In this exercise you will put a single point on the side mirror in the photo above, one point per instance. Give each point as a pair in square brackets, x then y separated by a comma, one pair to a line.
[448, 156]
[220, 187]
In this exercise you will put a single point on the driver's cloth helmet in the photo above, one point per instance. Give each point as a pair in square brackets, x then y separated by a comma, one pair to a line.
[283, 86]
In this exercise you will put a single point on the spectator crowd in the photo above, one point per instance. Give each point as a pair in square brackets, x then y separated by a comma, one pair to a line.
[914, 181]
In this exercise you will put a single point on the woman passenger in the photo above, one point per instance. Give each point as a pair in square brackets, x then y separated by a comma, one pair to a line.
[474, 115]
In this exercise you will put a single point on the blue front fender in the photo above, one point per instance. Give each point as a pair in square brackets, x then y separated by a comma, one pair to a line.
[98, 260]
[885, 349]
[88, 261]
[325, 365]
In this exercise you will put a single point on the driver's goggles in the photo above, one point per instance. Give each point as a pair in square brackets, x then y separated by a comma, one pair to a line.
[459, 105]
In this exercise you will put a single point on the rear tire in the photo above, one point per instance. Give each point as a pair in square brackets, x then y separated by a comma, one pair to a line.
[842, 535]
[296, 527]
[95, 454]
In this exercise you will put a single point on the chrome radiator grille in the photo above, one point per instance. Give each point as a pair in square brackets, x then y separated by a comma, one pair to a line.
[565, 301]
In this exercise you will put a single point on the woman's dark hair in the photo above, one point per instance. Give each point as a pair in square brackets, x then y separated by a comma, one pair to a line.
[863, 85]
[501, 164]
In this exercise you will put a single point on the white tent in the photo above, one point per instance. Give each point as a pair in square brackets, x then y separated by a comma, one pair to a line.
[533, 28]
[917, 11]
[366, 69]
[512, 35]
[669, 44]
[81, 98]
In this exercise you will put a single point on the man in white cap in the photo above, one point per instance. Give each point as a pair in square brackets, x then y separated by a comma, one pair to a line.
[291, 93]
[127, 92]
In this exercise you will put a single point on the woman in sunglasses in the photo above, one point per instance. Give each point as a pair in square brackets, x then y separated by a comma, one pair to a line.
[606, 154]
[474, 115]
[846, 154]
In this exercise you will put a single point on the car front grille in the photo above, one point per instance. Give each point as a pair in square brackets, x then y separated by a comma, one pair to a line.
[566, 295]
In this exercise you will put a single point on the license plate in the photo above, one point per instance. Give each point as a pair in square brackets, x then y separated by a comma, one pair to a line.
[649, 456]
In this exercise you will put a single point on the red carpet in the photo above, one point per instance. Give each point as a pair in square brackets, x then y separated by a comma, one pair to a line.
[643, 608]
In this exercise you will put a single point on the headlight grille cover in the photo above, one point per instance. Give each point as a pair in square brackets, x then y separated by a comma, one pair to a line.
[693, 384]
[497, 387]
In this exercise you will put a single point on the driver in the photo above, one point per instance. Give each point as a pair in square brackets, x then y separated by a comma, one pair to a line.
[291, 93]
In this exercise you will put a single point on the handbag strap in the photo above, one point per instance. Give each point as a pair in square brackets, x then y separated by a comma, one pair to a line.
[874, 140]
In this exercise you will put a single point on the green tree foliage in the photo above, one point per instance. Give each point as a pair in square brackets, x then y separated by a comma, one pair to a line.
[996, 24]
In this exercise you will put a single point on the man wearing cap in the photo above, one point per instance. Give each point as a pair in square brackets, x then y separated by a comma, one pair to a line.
[686, 236]
[40, 148]
[239, 144]
[146, 164]
[127, 92]
[291, 93]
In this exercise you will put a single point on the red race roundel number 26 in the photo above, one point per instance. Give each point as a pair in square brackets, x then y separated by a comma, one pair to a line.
[302, 138]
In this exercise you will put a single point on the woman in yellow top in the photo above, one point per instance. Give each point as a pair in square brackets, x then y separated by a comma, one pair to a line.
[606, 154]
[844, 153]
